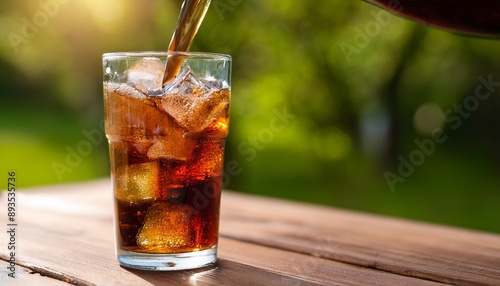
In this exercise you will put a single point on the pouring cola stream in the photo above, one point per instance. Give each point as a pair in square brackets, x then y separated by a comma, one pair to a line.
[190, 18]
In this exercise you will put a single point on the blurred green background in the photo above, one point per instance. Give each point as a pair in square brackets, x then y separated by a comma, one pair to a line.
[329, 99]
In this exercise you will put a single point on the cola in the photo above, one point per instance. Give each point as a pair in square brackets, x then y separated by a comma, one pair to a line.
[166, 146]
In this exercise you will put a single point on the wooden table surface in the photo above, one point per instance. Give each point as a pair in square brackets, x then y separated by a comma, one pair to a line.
[65, 234]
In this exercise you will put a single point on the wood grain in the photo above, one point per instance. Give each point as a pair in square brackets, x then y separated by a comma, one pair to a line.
[70, 233]
[67, 230]
[25, 276]
[437, 253]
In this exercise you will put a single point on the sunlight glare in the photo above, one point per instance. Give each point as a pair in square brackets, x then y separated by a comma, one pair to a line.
[107, 14]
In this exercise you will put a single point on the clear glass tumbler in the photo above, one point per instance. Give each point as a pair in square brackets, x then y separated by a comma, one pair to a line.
[166, 146]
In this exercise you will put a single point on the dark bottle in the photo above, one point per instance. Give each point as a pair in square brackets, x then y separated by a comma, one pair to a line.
[479, 17]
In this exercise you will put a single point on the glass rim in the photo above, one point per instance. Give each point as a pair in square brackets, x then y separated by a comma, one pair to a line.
[142, 54]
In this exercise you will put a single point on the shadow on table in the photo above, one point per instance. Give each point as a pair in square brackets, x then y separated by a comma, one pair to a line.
[224, 272]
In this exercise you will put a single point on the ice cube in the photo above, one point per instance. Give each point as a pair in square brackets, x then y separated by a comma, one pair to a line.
[147, 75]
[209, 163]
[196, 110]
[206, 164]
[142, 145]
[174, 147]
[129, 112]
[137, 183]
[166, 228]
[126, 90]
[218, 129]
[186, 82]
[214, 83]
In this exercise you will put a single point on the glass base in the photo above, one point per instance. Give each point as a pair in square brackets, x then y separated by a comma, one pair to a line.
[166, 262]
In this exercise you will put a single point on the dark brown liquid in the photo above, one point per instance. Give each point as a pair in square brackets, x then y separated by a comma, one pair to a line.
[481, 17]
[191, 189]
[167, 180]
[203, 226]
[190, 18]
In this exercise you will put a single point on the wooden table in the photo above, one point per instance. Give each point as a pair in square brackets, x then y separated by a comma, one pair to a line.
[64, 233]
